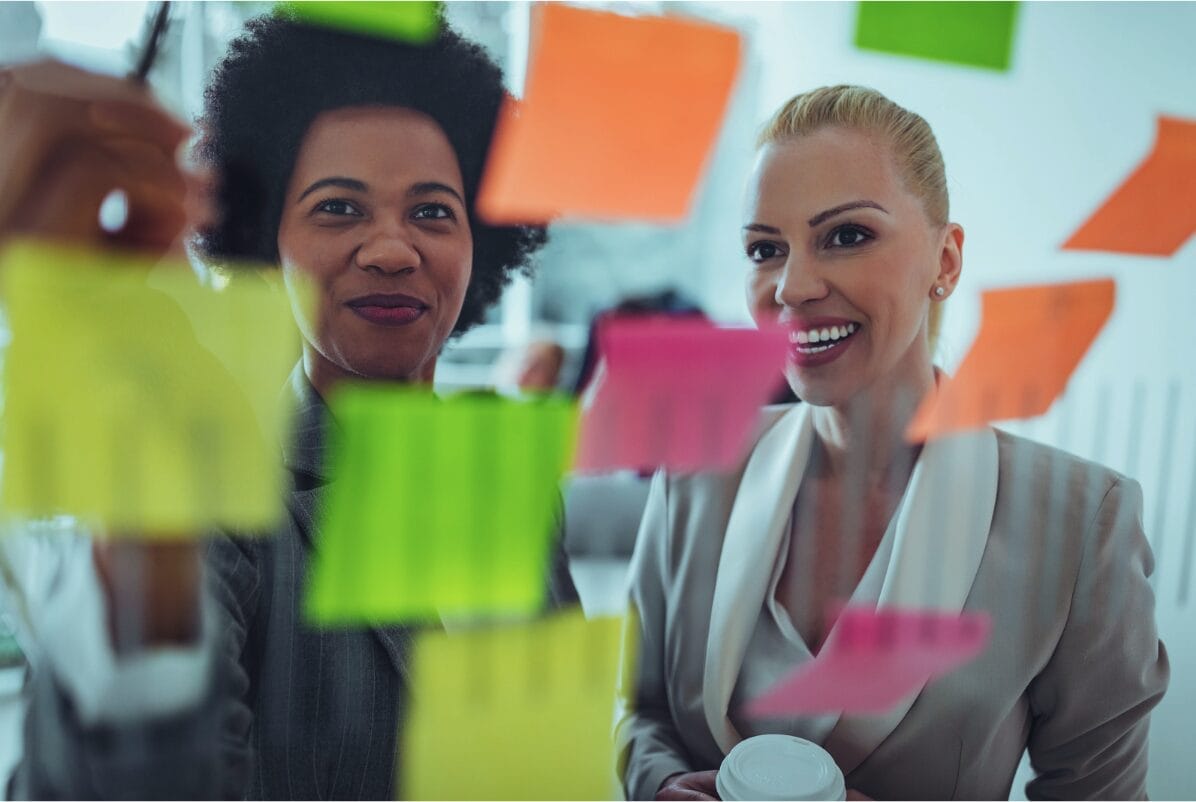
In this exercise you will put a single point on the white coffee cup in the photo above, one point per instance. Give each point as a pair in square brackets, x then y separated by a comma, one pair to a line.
[779, 768]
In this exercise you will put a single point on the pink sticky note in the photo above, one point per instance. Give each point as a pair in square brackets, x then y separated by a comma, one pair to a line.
[875, 658]
[679, 394]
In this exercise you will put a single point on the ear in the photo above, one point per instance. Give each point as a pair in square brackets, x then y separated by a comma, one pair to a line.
[950, 260]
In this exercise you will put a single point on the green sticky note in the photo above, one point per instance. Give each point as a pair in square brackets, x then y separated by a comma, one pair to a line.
[438, 508]
[973, 33]
[138, 399]
[521, 712]
[415, 21]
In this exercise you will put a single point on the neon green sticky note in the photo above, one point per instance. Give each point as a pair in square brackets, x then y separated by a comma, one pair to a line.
[520, 712]
[415, 21]
[138, 399]
[438, 508]
[977, 34]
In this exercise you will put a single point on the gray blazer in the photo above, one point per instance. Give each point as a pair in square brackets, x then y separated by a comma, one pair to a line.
[1059, 561]
[293, 712]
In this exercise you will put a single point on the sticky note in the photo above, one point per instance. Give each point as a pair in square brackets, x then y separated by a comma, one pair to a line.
[619, 116]
[680, 394]
[1007, 373]
[1153, 212]
[414, 21]
[875, 658]
[438, 508]
[140, 400]
[975, 34]
[516, 712]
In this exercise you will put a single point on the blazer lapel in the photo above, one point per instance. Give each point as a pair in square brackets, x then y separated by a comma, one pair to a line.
[303, 456]
[939, 533]
[754, 530]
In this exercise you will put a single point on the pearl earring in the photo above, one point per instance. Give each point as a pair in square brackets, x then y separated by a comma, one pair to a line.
[940, 292]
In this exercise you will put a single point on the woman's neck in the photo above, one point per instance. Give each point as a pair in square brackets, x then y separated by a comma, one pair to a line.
[863, 441]
[325, 375]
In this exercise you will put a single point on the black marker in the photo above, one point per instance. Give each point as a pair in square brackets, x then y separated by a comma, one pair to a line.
[149, 51]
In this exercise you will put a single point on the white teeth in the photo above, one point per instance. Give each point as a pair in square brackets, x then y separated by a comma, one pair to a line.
[830, 335]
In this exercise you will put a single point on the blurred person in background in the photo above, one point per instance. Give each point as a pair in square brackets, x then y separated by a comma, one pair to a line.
[735, 574]
[540, 369]
[186, 669]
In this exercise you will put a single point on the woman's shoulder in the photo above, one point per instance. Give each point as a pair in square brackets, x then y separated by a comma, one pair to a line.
[1017, 451]
[1055, 473]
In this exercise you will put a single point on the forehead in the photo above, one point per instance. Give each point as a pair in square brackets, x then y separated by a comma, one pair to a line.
[822, 170]
[377, 143]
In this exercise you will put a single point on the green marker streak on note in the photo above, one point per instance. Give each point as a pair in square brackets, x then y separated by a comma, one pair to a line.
[414, 21]
[976, 34]
[438, 508]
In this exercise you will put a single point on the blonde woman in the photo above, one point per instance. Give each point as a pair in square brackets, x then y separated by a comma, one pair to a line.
[734, 574]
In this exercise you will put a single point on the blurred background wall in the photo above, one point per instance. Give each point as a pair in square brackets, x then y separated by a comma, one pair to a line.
[1030, 154]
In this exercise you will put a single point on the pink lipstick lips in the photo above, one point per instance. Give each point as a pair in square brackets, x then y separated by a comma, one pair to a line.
[814, 342]
[385, 309]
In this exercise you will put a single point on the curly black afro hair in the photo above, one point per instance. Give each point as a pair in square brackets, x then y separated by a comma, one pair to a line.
[280, 74]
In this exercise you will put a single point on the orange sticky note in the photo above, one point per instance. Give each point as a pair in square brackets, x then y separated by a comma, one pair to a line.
[1154, 211]
[618, 118]
[1030, 341]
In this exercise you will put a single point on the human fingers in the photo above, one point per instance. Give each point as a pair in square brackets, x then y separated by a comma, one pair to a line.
[46, 104]
[691, 786]
[142, 120]
[79, 177]
[153, 586]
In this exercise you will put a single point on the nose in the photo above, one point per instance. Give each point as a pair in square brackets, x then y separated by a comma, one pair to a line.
[799, 283]
[389, 248]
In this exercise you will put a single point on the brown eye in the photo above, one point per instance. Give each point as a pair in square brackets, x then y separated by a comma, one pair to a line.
[434, 211]
[338, 208]
[848, 237]
[762, 251]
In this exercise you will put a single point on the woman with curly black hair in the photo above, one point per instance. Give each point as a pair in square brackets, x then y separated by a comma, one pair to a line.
[353, 164]
[280, 78]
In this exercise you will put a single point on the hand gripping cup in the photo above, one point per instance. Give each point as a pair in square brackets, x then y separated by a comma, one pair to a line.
[779, 767]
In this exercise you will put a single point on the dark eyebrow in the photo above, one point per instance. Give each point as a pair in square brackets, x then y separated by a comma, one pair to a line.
[335, 181]
[428, 187]
[763, 229]
[860, 204]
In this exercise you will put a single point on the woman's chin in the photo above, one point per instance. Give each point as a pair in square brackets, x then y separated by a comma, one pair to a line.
[815, 392]
[389, 367]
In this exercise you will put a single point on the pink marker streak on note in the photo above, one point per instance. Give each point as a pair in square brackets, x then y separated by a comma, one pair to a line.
[679, 393]
[875, 658]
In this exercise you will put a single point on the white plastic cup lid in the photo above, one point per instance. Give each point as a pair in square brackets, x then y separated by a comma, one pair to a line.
[777, 768]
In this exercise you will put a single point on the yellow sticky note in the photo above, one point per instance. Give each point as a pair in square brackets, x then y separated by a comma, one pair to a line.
[518, 712]
[138, 399]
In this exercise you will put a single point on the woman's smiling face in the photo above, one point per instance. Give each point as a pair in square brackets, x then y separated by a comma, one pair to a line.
[375, 220]
[846, 258]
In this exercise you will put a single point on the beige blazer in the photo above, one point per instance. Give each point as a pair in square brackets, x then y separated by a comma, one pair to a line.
[1050, 546]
